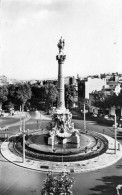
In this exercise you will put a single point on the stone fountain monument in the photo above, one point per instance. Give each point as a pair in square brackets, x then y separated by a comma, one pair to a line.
[61, 130]
[59, 141]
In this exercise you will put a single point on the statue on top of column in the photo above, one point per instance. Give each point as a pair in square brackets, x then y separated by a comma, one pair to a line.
[61, 44]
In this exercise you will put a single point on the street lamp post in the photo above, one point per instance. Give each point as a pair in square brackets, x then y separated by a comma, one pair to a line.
[23, 140]
[84, 118]
[40, 122]
[115, 126]
[22, 129]
[20, 118]
[62, 155]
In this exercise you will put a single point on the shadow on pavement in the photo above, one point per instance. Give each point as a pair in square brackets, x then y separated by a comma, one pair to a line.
[99, 120]
[109, 186]
[119, 166]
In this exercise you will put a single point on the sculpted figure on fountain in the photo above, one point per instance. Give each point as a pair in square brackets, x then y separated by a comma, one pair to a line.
[61, 44]
[63, 121]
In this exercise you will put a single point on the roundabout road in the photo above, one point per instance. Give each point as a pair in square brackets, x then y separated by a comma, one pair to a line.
[15, 180]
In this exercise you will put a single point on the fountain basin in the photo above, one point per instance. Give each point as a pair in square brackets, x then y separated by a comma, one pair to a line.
[37, 148]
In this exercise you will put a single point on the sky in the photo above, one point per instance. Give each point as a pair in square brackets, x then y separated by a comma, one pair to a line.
[30, 30]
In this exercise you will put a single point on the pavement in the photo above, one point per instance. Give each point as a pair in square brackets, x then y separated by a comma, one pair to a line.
[25, 115]
[107, 159]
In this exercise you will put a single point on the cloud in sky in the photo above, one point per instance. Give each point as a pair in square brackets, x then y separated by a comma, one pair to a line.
[14, 9]
[30, 30]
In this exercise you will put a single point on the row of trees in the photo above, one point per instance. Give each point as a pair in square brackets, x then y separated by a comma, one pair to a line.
[15, 94]
[29, 96]
[103, 101]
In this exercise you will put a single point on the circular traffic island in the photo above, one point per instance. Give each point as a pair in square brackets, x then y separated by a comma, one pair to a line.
[37, 148]
[96, 151]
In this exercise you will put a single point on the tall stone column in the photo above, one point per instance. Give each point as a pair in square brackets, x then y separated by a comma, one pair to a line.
[62, 130]
[61, 58]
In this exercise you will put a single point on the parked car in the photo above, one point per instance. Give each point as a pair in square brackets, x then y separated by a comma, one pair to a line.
[120, 118]
[120, 122]
[95, 115]
[4, 113]
[106, 117]
[100, 114]
[111, 118]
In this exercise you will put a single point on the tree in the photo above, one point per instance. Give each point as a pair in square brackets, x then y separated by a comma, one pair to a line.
[12, 93]
[23, 93]
[38, 96]
[119, 99]
[112, 100]
[38, 91]
[103, 101]
[98, 98]
[51, 93]
[3, 94]
[70, 94]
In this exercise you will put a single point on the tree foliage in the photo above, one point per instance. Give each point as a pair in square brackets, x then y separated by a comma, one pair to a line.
[3, 94]
[51, 94]
[103, 101]
[12, 93]
[38, 91]
[23, 93]
[70, 94]
[119, 99]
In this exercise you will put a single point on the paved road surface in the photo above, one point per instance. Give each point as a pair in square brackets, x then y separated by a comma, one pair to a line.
[16, 180]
